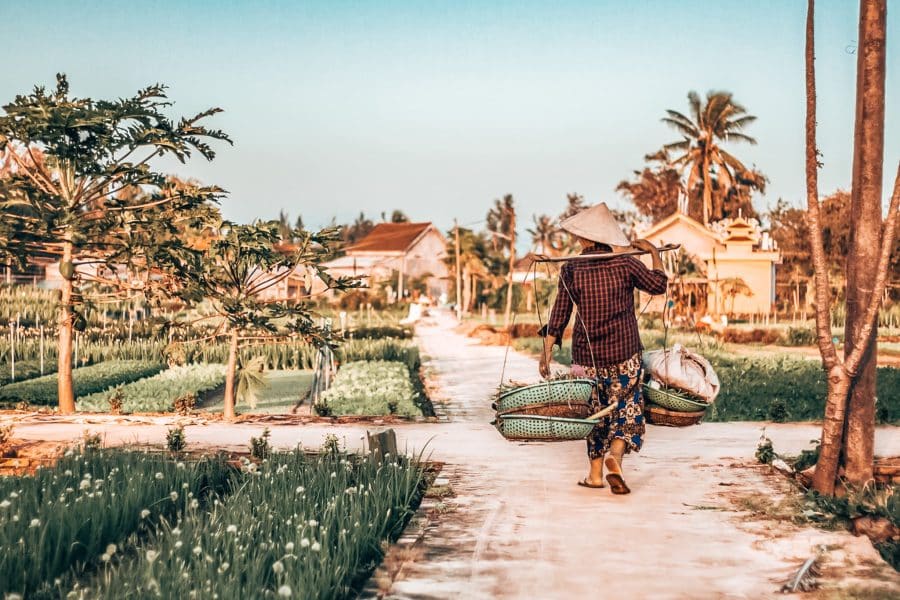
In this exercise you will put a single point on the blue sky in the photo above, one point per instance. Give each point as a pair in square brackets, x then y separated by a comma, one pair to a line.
[437, 108]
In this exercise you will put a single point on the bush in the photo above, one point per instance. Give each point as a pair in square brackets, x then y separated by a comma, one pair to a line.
[377, 333]
[87, 380]
[799, 336]
[372, 388]
[751, 336]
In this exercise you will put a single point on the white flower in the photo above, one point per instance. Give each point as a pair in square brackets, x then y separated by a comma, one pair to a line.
[313, 523]
[179, 544]
[197, 550]
[84, 485]
[159, 475]
[316, 547]
[104, 557]
[285, 591]
[289, 547]
[179, 465]
[68, 472]
[173, 496]
[333, 474]
[194, 503]
[35, 523]
[224, 567]
[304, 543]
[152, 555]
[185, 485]
[5, 504]
[278, 567]
[111, 549]
[176, 532]
[231, 529]
[300, 489]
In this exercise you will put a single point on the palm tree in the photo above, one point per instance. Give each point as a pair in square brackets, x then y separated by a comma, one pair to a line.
[715, 170]
[545, 235]
[501, 223]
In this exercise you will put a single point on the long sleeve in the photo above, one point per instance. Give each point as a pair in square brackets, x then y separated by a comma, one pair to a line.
[652, 281]
[562, 308]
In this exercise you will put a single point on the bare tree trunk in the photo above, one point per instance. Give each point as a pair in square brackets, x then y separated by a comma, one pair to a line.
[230, 375]
[865, 236]
[65, 385]
[833, 425]
[707, 191]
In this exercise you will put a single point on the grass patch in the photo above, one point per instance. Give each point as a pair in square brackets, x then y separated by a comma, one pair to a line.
[283, 390]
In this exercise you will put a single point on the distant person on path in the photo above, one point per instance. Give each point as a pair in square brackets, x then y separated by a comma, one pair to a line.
[605, 341]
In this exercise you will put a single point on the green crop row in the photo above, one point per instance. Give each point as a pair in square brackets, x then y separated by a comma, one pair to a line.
[82, 513]
[158, 393]
[87, 380]
[297, 527]
[371, 388]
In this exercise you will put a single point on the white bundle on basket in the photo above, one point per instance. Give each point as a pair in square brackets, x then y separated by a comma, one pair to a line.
[684, 370]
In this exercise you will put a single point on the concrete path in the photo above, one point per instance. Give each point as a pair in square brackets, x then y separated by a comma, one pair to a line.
[518, 526]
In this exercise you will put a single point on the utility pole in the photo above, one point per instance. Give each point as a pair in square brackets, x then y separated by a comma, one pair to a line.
[512, 262]
[458, 274]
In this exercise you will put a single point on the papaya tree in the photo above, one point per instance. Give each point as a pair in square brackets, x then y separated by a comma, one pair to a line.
[236, 277]
[65, 163]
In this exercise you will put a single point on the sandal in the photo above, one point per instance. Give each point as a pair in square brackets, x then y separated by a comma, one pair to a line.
[614, 476]
[585, 483]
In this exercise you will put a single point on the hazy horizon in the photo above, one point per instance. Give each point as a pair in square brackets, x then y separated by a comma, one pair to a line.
[338, 108]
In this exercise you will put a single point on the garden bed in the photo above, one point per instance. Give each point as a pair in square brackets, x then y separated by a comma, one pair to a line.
[42, 391]
[375, 387]
[292, 525]
[158, 393]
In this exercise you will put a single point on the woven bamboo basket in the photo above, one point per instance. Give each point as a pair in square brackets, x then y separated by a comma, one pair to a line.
[535, 428]
[560, 391]
[657, 415]
[552, 409]
[674, 401]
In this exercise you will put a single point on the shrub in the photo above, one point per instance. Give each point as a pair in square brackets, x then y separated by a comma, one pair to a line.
[259, 446]
[377, 333]
[175, 440]
[751, 336]
[799, 336]
[87, 380]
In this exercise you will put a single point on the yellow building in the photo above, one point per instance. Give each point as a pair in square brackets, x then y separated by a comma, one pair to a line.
[735, 261]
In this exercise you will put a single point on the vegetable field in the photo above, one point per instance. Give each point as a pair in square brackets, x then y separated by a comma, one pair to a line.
[112, 524]
[158, 393]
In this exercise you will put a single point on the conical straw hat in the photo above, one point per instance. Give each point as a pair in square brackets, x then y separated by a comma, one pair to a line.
[597, 224]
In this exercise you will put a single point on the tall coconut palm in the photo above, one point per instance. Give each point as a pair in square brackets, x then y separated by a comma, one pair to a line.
[715, 170]
[545, 235]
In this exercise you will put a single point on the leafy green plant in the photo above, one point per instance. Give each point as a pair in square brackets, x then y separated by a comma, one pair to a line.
[778, 411]
[251, 381]
[372, 388]
[765, 451]
[799, 336]
[175, 440]
[259, 446]
[88, 380]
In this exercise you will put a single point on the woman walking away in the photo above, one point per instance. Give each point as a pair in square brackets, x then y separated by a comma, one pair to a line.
[605, 341]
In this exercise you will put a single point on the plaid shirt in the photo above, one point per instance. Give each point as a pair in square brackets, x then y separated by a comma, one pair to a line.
[605, 330]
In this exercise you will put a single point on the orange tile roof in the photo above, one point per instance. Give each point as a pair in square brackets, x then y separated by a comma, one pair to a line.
[390, 237]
